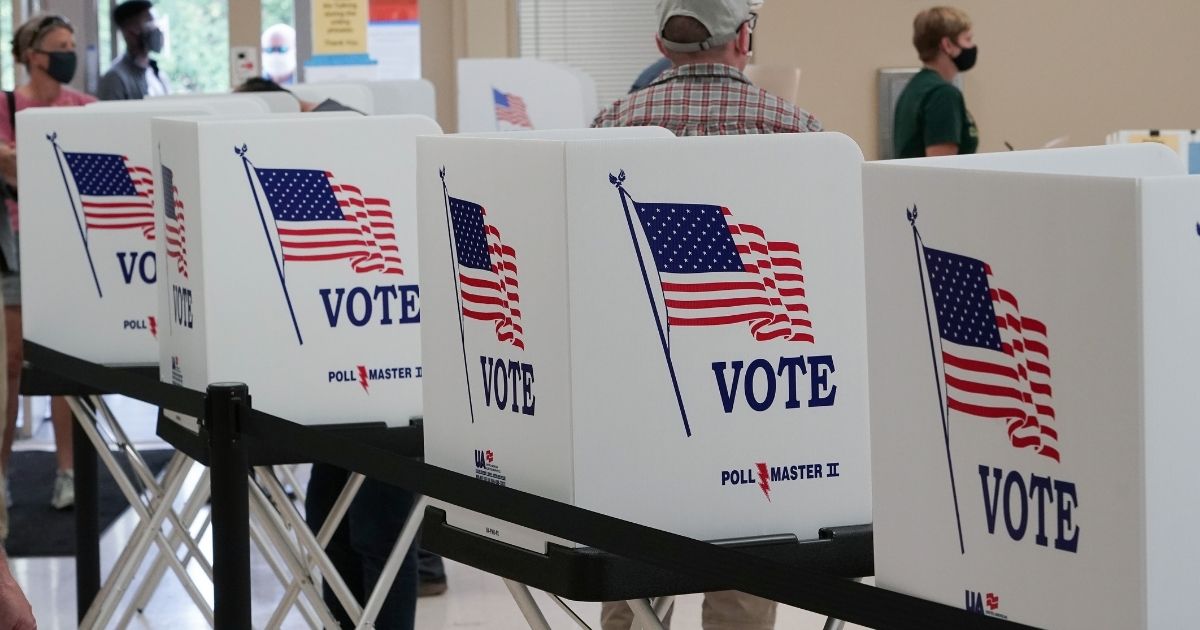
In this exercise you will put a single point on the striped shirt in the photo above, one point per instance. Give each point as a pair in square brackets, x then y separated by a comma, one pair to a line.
[707, 99]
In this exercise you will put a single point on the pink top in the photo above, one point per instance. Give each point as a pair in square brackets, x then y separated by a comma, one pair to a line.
[67, 97]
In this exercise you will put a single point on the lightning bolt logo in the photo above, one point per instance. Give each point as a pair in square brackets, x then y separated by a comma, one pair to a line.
[153, 325]
[764, 480]
[362, 378]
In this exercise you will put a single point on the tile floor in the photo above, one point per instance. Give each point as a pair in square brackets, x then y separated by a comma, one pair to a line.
[475, 599]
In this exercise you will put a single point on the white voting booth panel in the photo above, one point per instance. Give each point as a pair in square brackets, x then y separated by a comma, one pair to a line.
[293, 264]
[1185, 142]
[1033, 352]
[356, 95]
[88, 263]
[402, 96]
[276, 102]
[718, 398]
[225, 105]
[515, 94]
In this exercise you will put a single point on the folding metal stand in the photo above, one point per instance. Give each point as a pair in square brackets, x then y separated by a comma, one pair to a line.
[592, 575]
[153, 504]
[98, 435]
[294, 553]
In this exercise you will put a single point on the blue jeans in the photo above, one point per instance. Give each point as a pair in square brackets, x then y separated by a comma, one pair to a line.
[361, 545]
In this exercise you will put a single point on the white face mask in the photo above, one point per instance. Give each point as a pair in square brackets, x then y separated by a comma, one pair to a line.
[278, 65]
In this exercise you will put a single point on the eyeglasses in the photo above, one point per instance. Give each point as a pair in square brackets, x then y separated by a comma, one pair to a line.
[753, 21]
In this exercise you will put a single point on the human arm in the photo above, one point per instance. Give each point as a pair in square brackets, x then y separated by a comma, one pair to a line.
[15, 611]
[944, 148]
[8, 163]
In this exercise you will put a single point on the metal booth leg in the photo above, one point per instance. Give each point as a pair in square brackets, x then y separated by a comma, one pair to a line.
[529, 608]
[392, 567]
[643, 612]
[332, 521]
[226, 407]
[87, 520]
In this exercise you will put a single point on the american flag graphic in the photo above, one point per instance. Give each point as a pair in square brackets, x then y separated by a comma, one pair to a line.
[319, 219]
[715, 272]
[176, 234]
[996, 360]
[487, 272]
[510, 108]
[115, 194]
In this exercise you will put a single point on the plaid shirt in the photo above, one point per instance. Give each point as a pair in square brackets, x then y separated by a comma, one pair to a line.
[707, 99]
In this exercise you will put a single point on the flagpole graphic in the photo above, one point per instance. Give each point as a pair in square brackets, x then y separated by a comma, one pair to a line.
[462, 335]
[619, 182]
[241, 152]
[53, 138]
[937, 379]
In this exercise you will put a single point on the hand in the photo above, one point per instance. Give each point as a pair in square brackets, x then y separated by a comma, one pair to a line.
[15, 611]
[8, 163]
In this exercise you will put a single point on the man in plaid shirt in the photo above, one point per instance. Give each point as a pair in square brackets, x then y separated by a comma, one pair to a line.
[705, 92]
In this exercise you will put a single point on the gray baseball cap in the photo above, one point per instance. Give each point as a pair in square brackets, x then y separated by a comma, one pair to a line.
[722, 18]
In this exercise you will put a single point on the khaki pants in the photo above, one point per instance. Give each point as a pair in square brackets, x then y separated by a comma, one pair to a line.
[722, 610]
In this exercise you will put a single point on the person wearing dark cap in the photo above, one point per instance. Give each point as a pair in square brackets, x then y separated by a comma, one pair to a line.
[705, 92]
[134, 75]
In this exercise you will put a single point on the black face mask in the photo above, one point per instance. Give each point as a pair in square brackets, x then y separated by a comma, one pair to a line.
[966, 59]
[62, 65]
[152, 40]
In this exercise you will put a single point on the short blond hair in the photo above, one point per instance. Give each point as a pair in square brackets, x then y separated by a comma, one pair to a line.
[931, 25]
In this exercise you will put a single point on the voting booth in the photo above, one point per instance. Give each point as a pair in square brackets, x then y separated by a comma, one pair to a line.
[1032, 332]
[350, 94]
[411, 96]
[1185, 142]
[639, 325]
[88, 239]
[276, 102]
[291, 265]
[521, 94]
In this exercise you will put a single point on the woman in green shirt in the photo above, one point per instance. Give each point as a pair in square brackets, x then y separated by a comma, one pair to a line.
[931, 115]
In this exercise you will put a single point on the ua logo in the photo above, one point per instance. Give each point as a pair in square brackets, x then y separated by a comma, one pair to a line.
[974, 602]
[480, 459]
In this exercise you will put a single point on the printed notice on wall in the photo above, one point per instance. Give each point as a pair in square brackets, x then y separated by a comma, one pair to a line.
[339, 27]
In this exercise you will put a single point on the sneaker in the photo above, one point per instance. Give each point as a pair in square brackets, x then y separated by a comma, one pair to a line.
[431, 588]
[64, 490]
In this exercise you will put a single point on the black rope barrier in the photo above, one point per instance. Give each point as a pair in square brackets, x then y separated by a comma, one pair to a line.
[787, 584]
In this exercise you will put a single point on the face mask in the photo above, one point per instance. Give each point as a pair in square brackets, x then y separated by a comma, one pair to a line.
[152, 40]
[966, 59]
[62, 66]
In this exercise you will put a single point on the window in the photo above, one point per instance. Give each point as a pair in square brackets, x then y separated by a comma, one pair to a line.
[610, 40]
[196, 56]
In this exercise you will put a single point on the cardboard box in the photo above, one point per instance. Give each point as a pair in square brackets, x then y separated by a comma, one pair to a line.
[1032, 334]
[296, 268]
[88, 262]
[567, 358]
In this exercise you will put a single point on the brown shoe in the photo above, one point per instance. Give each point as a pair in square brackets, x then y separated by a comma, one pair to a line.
[432, 588]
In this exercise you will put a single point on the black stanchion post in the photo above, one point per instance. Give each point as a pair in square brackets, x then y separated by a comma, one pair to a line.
[87, 521]
[225, 409]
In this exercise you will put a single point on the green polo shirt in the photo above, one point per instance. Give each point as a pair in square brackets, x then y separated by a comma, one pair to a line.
[932, 111]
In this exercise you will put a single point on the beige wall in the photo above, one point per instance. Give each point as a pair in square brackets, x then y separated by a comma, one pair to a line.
[1046, 68]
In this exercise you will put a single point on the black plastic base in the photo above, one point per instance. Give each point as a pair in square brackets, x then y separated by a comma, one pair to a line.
[591, 575]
